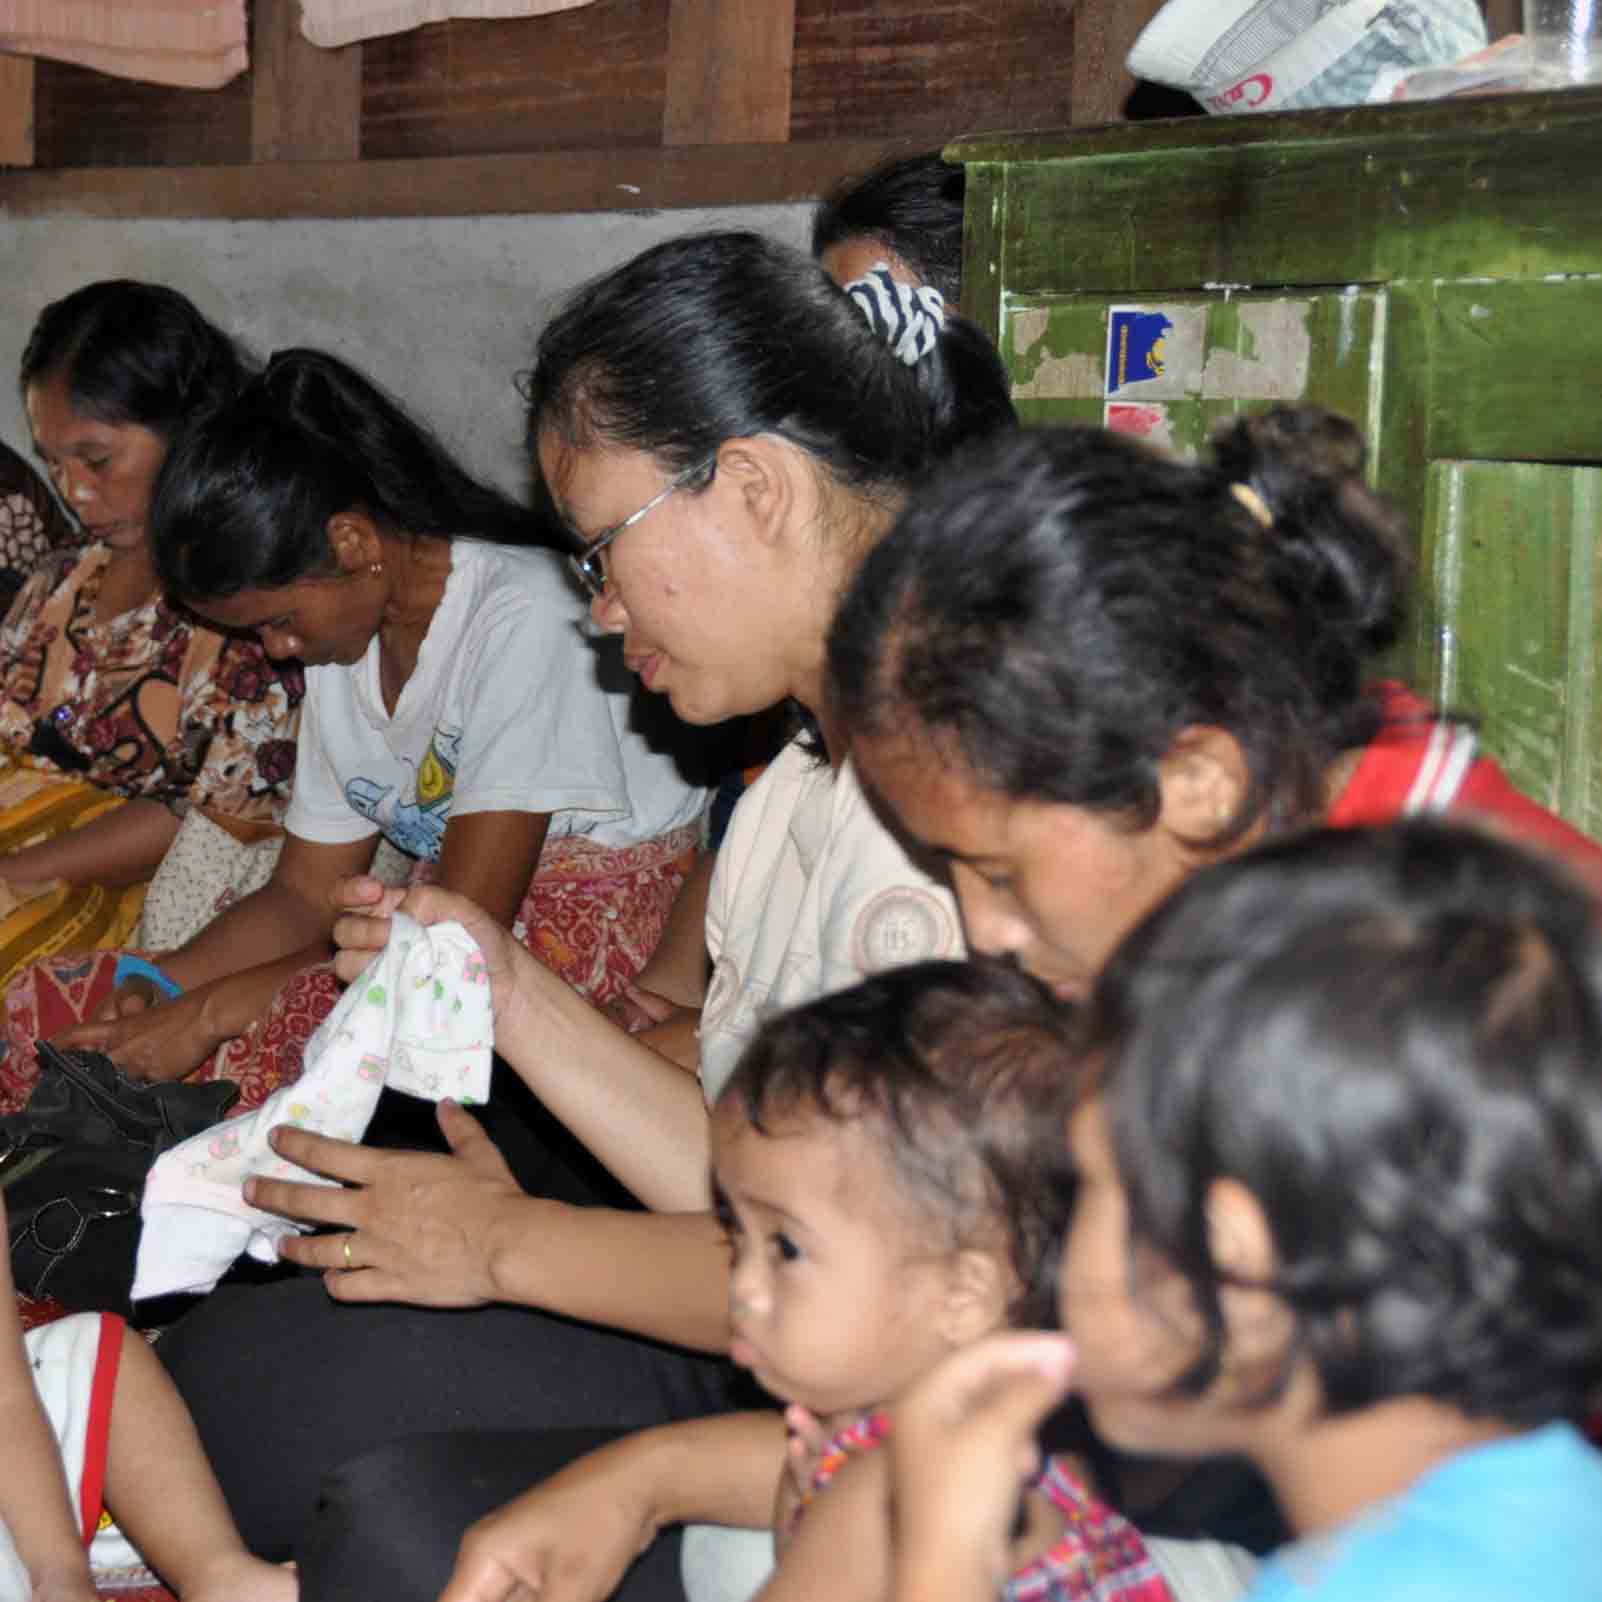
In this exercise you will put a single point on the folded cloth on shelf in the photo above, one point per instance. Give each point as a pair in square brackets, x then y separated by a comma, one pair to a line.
[193, 44]
[332, 23]
[1284, 55]
[418, 1020]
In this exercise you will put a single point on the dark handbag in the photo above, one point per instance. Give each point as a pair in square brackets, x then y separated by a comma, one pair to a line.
[73, 1164]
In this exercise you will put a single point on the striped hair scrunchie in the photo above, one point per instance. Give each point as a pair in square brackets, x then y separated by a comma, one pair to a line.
[907, 317]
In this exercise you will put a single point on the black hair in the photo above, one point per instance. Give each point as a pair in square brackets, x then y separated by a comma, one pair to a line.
[722, 336]
[912, 205]
[1391, 1038]
[244, 498]
[1057, 607]
[134, 353]
[963, 1073]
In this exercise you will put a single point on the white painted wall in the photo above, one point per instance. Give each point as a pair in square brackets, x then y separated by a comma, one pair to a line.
[441, 311]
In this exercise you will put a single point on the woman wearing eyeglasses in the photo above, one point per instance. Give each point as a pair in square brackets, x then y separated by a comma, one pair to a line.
[453, 707]
[725, 434]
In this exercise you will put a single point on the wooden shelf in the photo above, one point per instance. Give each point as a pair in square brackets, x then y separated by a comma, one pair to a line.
[645, 179]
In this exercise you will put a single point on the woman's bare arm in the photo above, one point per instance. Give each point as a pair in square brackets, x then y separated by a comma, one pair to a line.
[120, 847]
[290, 914]
[230, 971]
[677, 970]
[489, 857]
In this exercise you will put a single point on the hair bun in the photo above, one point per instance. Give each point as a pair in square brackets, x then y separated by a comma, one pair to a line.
[1341, 545]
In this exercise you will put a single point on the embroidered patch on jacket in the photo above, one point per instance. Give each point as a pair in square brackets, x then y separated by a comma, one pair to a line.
[902, 925]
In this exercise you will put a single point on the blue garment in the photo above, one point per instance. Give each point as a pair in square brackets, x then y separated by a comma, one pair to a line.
[1517, 1519]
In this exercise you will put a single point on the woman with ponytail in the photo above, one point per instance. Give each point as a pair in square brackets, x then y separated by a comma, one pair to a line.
[452, 708]
[121, 718]
[1080, 669]
[724, 436]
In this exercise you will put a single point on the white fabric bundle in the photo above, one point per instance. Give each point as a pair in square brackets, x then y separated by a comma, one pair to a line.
[419, 1019]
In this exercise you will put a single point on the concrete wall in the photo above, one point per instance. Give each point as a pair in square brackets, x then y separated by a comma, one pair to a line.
[441, 311]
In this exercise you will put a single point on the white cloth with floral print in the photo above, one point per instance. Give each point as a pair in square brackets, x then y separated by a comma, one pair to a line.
[418, 1020]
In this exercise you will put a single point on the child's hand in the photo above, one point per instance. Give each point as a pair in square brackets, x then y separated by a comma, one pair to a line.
[961, 1444]
[570, 1539]
[805, 1440]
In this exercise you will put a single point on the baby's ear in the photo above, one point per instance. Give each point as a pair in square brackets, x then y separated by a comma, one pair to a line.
[979, 1290]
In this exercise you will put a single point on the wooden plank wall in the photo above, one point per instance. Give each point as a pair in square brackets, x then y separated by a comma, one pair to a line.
[16, 111]
[612, 74]
[587, 79]
[305, 103]
[647, 76]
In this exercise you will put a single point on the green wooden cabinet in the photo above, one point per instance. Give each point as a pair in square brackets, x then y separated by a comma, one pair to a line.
[1433, 271]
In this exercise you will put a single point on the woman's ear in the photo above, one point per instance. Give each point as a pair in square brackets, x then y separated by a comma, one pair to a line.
[1202, 782]
[354, 539]
[978, 1291]
[762, 472]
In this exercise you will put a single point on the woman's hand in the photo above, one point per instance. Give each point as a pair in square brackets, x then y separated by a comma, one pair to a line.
[961, 1445]
[362, 906]
[362, 931]
[131, 996]
[419, 1227]
[162, 1041]
[567, 1540]
[637, 1010]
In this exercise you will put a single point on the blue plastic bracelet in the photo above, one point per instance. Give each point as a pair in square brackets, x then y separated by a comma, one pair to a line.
[132, 967]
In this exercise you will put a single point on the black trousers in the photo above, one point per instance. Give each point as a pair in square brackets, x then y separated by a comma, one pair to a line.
[294, 1393]
[430, 1488]
[307, 1406]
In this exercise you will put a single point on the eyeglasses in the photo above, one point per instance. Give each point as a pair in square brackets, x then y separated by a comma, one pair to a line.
[588, 565]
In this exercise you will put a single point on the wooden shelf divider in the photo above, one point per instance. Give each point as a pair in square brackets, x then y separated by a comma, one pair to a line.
[453, 186]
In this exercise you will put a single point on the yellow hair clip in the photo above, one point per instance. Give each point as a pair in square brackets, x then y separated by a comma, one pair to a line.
[1253, 502]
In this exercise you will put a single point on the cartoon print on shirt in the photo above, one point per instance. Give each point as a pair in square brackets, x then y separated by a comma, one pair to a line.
[416, 826]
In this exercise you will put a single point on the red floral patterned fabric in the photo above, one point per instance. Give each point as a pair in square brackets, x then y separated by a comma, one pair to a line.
[592, 914]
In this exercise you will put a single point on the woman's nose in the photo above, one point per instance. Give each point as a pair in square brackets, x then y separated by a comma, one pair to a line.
[74, 489]
[989, 921]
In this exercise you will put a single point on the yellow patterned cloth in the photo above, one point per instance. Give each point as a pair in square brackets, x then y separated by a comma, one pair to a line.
[37, 804]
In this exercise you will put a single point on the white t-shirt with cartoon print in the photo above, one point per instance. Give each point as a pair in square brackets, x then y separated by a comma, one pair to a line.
[511, 708]
[811, 894]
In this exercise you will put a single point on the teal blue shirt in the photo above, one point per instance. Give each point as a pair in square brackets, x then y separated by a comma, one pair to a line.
[1519, 1520]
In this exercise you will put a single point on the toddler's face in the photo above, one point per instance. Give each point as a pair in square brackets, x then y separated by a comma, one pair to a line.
[836, 1298]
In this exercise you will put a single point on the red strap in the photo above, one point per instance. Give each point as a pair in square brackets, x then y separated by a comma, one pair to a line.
[108, 1359]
